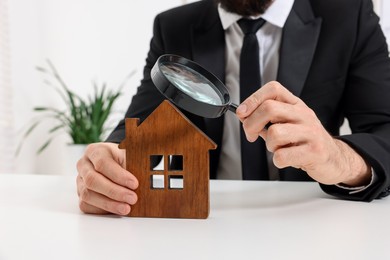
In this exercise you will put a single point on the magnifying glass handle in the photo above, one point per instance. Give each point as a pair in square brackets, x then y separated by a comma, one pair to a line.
[233, 107]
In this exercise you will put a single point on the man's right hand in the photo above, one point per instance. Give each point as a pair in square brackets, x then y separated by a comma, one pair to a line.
[103, 184]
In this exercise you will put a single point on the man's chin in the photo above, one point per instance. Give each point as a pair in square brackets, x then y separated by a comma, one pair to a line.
[245, 7]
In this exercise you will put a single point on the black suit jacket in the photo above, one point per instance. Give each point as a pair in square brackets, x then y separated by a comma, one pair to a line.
[333, 56]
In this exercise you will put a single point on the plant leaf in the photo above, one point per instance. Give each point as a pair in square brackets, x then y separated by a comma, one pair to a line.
[83, 119]
[43, 147]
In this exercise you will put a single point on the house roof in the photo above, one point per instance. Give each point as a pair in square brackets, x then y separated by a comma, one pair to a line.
[166, 121]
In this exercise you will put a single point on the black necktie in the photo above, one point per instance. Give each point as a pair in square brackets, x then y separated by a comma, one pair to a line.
[253, 155]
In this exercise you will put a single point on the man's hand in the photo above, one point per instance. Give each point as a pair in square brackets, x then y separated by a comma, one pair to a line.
[297, 138]
[103, 184]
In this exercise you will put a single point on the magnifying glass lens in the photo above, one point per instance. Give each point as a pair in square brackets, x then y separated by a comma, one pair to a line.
[192, 83]
[191, 87]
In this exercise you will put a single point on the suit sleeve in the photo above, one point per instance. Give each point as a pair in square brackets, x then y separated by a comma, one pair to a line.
[367, 105]
[147, 97]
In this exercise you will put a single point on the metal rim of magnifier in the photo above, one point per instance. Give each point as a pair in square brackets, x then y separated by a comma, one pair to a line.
[181, 99]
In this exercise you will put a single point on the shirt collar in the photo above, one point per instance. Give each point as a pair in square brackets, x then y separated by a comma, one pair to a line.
[276, 14]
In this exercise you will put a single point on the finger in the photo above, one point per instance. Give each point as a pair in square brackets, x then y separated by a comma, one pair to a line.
[89, 209]
[270, 111]
[104, 163]
[85, 207]
[95, 181]
[270, 91]
[282, 135]
[303, 156]
[90, 198]
[293, 155]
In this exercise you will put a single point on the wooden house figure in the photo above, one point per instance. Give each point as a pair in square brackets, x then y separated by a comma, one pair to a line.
[180, 188]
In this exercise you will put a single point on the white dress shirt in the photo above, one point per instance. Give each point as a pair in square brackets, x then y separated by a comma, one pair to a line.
[269, 37]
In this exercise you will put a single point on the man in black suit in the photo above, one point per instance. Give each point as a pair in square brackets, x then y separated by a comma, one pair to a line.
[323, 61]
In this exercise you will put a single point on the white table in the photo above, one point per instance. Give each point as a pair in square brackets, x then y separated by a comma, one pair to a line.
[40, 219]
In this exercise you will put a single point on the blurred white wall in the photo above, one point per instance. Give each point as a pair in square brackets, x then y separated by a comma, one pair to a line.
[87, 40]
[7, 133]
[383, 9]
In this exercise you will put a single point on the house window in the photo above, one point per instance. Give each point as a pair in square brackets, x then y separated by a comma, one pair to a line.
[162, 167]
[176, 181]
[156, 162]
[175, 163]
[157, 181]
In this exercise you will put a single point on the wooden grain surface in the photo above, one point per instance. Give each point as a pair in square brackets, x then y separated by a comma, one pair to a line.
[168, 132]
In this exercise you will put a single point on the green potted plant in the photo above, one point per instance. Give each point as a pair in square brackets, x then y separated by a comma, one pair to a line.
[84, 120]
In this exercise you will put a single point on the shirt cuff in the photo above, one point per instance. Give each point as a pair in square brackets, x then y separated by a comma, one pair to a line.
[353, 190]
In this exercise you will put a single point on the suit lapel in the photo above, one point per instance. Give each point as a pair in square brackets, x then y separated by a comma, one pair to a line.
[299, 41]
[208, 49]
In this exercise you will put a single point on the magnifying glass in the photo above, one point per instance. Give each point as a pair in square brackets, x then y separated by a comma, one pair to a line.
[191, 87]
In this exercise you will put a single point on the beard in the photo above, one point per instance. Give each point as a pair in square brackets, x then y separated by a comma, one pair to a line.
[245, 7]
